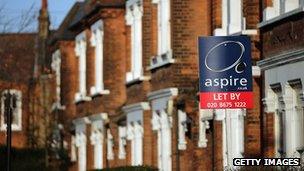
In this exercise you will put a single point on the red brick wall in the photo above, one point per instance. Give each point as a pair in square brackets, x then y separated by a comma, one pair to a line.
[268, 133]
[19, 138]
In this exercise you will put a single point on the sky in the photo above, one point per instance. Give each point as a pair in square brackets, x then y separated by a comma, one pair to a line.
[12, 12]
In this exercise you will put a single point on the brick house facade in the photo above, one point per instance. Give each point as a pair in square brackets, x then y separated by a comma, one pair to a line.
[17, 52]
[118, 81]
[124, 83]
[282, 63]
[129, 83]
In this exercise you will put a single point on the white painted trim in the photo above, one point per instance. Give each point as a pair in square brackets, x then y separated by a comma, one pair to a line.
[161, 60]
[273, 18]
[256, 71]
[168, 92]
[281, 59]
[79, 121]
[110, 145]
[249, 32]
[135, 107]
[80, 50]
[164, 52]
[94, 91]
[79, 97]
[204, 116]
[100, 116]
[122, 137]
[56, 67]
[131, 79]
[182, 129]
[134, 13]
[97, 42]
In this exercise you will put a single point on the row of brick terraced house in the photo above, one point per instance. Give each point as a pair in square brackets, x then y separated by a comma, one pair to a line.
[128, 83]
[126, 76]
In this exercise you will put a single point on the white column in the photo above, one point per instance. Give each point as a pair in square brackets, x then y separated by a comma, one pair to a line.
[156, 127]
[130, 136]
[110, 144]
[97, 141]
[182, 129]
[73, 149]
[138, 139]
[122, 142]
[82, 151]
[290, 120]
[166, 142]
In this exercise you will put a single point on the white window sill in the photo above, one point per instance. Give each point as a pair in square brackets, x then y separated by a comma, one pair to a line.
[222, 32]
[94, 91]
[58, 106]
[131, 79]
[14, 127]
[248, 32]
[81, 98]
[161, 60]
[275, 19]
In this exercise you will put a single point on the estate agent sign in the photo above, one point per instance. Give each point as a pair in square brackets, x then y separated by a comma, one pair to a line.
[225, 72]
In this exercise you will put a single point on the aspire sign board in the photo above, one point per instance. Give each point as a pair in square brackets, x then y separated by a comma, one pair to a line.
[225, 72]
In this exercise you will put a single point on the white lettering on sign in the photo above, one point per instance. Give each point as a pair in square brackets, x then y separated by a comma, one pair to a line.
[223, 82]
[226, 96]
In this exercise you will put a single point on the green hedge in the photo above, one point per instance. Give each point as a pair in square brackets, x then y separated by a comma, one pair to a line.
[130, 168]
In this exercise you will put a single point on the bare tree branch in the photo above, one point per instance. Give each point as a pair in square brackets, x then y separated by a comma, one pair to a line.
[20, 23]
[27, 18]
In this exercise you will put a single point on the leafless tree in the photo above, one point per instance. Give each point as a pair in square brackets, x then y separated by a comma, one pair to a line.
[23, 22]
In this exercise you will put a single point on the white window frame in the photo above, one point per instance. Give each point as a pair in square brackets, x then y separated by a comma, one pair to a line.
[164, 52]
[233, 22]
[17, 112]
[97, 41]
[281, 9]
[134, 13]
[56, 67]
[80, 51]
